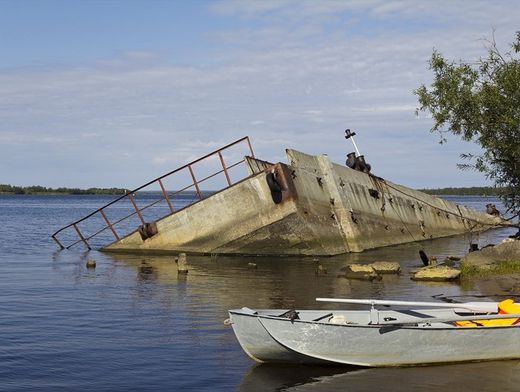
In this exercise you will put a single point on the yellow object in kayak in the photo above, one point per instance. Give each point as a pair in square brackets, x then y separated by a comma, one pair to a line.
[506, 306]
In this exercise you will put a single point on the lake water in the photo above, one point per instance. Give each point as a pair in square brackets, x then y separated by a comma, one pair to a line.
[134, 324]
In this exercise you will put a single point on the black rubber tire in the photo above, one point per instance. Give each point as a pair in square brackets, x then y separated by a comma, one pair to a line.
[273, 184]
[274, 187]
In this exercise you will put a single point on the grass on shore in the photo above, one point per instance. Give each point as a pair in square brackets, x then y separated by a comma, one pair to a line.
[500, 268]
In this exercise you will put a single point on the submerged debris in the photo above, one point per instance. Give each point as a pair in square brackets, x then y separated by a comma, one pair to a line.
[437, 273]
[473, 247]
[386, 267]
[453, 258]
[361, 272]
[427, 260]
[182, 264]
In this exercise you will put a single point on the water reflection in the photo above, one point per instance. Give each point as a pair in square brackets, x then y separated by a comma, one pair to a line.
[484, 376]
[146, 272]
[151, 329]
[197, 303]
[279, 377]
[292, 282]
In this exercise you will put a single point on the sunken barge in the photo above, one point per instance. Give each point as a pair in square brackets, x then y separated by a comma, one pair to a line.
[307, 206]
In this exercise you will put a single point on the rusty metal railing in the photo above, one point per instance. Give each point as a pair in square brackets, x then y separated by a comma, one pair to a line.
[167, 196]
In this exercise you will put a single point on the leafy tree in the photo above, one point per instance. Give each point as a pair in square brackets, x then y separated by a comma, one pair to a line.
[480, 102]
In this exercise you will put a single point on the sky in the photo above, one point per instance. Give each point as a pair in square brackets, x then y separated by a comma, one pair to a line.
[115, 93]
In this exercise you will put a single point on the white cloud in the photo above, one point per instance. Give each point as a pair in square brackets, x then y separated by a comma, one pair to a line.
[332, 65]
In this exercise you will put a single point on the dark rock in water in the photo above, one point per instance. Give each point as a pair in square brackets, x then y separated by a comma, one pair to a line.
[91, 263]
[473, 247]
[453, 258]
[487, 246]
[449, 262]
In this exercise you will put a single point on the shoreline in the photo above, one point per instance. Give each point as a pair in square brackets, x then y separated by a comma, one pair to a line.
[59, 194]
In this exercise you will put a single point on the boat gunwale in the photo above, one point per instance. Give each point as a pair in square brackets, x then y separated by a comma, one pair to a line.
[429, 326]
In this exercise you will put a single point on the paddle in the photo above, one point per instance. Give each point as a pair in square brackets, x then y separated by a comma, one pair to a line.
[453, 319]
[482, 307]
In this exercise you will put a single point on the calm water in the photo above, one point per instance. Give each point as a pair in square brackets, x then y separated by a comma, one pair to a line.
[133, 324]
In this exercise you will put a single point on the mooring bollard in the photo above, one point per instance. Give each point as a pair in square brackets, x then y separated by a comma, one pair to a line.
[182, 264]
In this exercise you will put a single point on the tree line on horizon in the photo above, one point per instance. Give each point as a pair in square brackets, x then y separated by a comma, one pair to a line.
[464, 191]
[38, 189]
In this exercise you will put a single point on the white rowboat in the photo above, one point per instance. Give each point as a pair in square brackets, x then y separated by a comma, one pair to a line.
[427, 333]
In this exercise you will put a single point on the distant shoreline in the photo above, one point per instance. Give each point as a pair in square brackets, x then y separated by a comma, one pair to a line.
[41, 190]
[6, 189]
[463, 191]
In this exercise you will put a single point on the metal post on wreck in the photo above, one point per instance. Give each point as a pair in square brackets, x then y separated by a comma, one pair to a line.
[353, 161]
[350, 135]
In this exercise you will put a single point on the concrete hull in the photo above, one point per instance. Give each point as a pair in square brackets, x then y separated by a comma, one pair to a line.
[321, 209]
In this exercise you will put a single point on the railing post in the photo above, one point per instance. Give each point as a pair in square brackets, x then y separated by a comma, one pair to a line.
[224, 167]
[250, 147]
[136, 208]
[165, 194]
[109, 224]
[81, 236]
[58, 242]
[195, 182]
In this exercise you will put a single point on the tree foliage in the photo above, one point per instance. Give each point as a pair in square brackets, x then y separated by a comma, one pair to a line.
[481, 103]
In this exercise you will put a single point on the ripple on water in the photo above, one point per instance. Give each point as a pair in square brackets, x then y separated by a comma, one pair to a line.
[134, 324]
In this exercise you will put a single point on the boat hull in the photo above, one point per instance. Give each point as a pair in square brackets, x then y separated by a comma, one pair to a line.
[276, 339]
[259, 346]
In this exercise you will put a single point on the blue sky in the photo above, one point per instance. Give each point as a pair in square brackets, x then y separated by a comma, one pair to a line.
[51, 33]
[114, 93]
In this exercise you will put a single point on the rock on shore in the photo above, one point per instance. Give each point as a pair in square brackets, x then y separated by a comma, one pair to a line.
[438, 273]
[361, 272]
[507, 251]
[386, 267]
